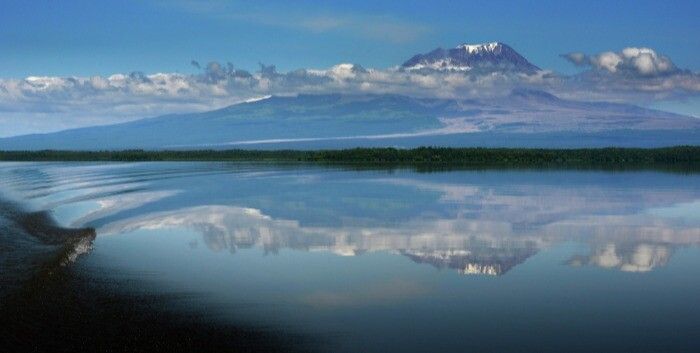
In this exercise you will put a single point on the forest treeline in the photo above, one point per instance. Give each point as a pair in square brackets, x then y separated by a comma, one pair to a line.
[683, 157]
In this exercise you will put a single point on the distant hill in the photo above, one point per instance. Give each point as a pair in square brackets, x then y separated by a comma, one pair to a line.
[525, 118]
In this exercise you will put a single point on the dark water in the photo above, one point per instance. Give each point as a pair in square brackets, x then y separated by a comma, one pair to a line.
[378, 261]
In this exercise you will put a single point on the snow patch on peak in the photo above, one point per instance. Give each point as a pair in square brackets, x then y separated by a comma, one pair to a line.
[483, 47]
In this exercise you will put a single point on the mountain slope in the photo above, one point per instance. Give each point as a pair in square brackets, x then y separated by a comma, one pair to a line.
[272, 118]
[524, 118]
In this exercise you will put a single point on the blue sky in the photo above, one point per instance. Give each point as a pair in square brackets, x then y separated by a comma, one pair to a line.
[103, 37]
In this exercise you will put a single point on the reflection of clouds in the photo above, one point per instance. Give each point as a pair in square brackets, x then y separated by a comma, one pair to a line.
[634, 258]
[627, 229]
[645, 257]
[460, 243]
[222, 227]
[635, 243]
[629, 243]
[114, 204]
[230, 227]
[449, 192]
[526, 206]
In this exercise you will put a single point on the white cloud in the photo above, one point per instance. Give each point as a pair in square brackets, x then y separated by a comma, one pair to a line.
[634, 74]
[644, 62]
[607, 61]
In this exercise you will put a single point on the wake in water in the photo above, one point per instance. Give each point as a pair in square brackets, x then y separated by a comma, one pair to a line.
[32, 245]
[41, 226]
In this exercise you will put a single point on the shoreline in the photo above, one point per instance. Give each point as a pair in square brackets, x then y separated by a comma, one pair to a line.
[678, 158]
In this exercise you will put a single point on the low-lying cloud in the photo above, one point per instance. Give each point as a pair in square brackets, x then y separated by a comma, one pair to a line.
[38, 104]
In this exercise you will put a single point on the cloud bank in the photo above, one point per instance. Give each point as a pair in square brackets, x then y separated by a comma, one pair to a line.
[636, 62]
[37, 104]
[632, 74]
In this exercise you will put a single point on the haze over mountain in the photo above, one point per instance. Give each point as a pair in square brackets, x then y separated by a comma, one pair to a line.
[523, 118]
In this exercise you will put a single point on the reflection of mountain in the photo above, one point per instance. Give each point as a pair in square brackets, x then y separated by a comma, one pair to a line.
[489, 261]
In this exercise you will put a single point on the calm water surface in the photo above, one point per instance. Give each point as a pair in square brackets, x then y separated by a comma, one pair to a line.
[379, 261]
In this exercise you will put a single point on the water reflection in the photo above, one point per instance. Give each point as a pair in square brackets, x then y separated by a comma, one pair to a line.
[471, 222]
[467, 245]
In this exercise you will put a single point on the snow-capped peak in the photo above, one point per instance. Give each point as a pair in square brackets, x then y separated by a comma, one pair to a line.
[483, 47]
[485, 58]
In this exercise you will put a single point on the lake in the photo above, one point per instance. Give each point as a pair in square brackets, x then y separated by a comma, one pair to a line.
[391, 260]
